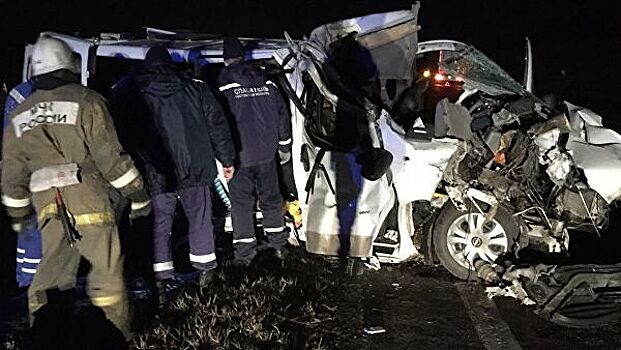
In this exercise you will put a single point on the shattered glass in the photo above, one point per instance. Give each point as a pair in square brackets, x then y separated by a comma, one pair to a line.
[479, 72]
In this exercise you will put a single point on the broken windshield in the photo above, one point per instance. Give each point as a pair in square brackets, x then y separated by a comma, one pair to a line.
[479, 72]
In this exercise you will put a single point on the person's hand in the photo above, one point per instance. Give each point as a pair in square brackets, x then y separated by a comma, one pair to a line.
[22, 224]
[140, 204]
[285, 157]
[22, 219]
[140, 209]
[228, 172]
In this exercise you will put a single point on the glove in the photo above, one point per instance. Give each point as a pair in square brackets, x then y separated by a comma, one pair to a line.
[285, 156]
[21, 219]
[140, 209]
[295, 212]
[141, 204]
[22, 224]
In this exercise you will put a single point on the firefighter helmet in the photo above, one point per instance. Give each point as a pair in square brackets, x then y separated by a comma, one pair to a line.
[51, 54]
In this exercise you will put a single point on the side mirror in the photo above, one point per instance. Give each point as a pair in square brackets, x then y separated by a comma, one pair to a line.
[528, 67]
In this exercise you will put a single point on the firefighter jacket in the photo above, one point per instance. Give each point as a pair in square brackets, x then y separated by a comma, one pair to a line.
[191, 127]
[64, 138]
[261, 116]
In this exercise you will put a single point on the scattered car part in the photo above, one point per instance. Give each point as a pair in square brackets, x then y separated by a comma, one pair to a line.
[580, 296]
[485, 271]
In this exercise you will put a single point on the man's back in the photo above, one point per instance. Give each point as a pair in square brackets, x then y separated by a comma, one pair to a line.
[259, 111]
[44, 145]
[69, 124]
[190, 124]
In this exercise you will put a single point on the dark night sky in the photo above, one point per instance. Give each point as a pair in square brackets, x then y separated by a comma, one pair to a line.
[580, 38]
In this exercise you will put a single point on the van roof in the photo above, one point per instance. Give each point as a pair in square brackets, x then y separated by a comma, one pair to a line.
[183, 46]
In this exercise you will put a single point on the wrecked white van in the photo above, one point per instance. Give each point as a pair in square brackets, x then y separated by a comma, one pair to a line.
[405, 149]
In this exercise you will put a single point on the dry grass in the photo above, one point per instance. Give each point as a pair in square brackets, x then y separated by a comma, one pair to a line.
[289, 308]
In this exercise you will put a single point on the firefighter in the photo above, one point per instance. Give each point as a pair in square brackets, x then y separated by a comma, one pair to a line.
[191, 131]
[61, 152]
[264, 132]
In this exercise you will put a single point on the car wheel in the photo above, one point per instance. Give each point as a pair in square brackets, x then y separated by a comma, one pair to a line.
[459, 238]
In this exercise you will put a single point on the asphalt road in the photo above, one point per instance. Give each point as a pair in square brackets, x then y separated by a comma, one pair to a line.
[422, 307]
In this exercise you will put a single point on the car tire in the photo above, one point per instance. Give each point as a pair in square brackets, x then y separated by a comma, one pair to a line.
[497, 238]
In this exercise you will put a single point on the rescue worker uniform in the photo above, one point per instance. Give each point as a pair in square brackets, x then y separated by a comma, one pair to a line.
[62, 139]
[28, 242]
[263, 129]
[180, 163]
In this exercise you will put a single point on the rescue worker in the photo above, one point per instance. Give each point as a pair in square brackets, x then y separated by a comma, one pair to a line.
[61, 152]
[264, 131]
[192, 131]
[28, 242]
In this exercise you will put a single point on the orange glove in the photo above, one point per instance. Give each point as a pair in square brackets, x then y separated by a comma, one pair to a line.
[295, 212]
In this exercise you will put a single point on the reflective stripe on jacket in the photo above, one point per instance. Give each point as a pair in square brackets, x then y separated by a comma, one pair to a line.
[68, 124]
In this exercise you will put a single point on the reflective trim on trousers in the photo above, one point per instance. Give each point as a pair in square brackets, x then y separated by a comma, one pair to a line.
[163, 266]
[274, 229]
[108, 300]
[203, 259]
[27, 270]
[51, 210]
[244, 240]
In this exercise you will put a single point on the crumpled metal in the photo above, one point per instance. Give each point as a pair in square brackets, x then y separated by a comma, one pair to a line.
[596, 150]
[515, 290]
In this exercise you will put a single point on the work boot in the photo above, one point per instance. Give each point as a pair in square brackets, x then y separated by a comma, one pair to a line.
[236, 269]
[239, 264]
[354, 267]
[205, 278]
[167, 289]
[281, 253]
[138, 289]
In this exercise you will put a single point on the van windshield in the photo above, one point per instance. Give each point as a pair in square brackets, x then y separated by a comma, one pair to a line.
[479, 72]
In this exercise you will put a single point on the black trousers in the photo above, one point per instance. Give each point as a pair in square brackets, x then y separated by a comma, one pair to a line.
[262, 179]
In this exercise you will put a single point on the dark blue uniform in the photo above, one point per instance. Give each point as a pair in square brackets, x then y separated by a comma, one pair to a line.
[263, 128]
[179, 164]
[29, 241]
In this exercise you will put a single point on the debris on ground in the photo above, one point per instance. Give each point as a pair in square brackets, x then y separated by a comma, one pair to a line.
[372, 263]
[515, 290]
[374, 330]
